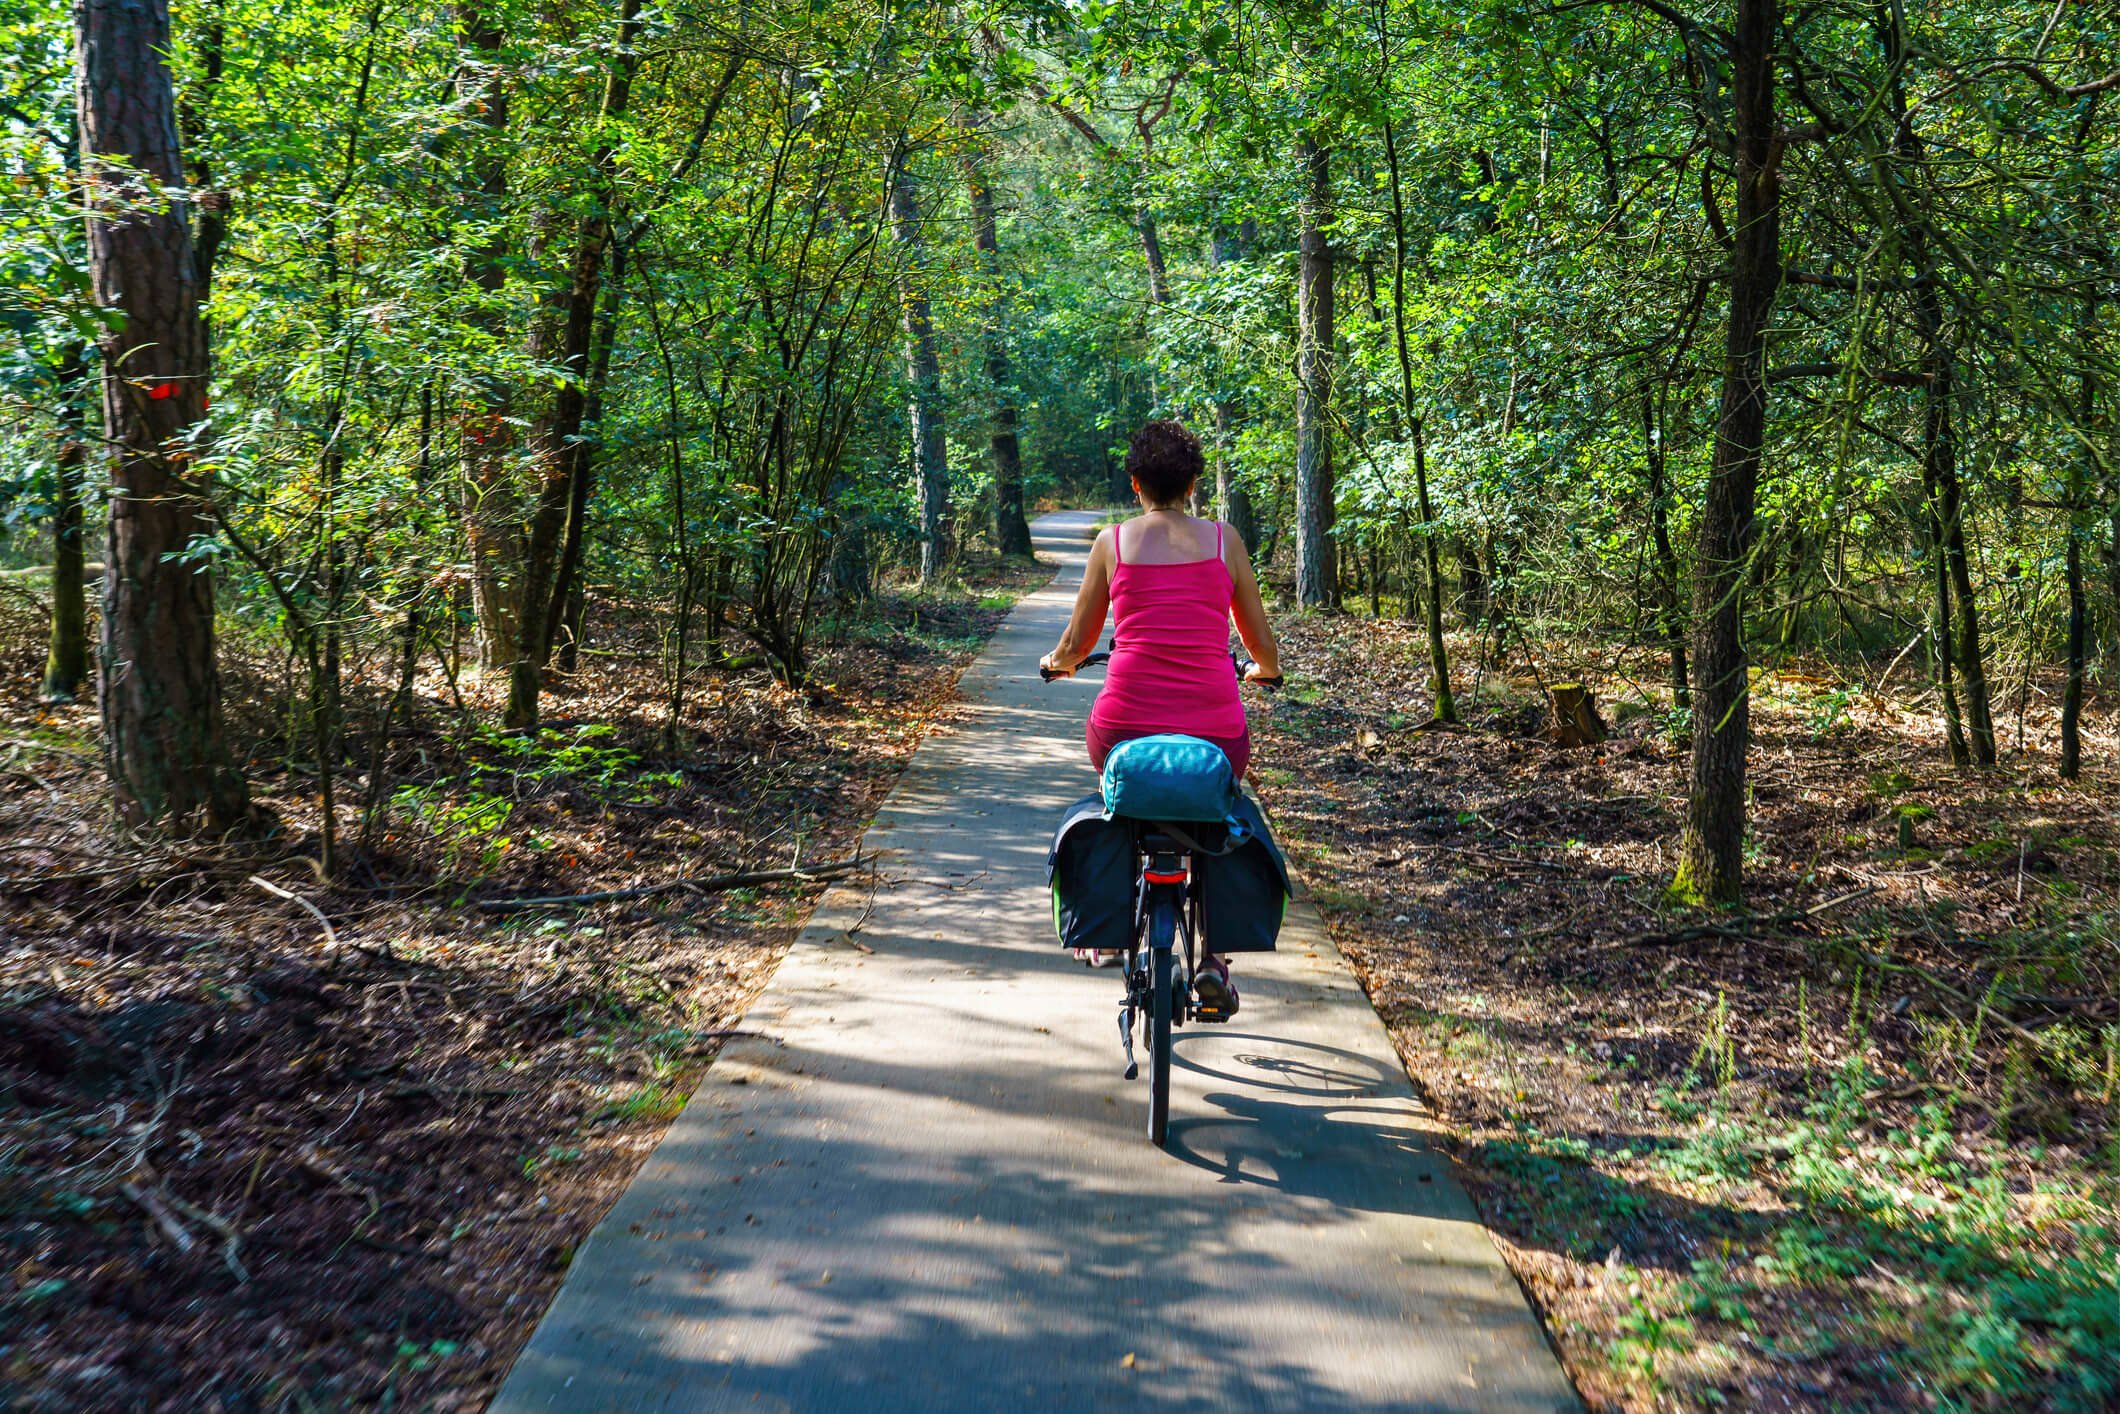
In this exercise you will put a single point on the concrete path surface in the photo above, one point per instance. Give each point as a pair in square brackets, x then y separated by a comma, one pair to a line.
[931, 1188]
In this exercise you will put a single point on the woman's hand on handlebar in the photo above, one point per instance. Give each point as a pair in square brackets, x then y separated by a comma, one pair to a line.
[1049, 667]
[1251, 672]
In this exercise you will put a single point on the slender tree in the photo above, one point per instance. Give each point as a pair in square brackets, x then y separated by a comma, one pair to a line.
[1232, 497]
[1432, 573]
[1317, 569]
[66, 659]
[487, 455]
[923, 371]
[1711, 862]
[1012, 533]
[565, 334]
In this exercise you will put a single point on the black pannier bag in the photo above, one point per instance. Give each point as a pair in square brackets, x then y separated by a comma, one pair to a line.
[1091, 871]
[1243, 893]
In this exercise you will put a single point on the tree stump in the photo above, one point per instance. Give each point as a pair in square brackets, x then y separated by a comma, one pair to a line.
[1575, 719]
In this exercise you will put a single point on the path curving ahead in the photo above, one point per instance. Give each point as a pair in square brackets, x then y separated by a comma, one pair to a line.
[932, 1190]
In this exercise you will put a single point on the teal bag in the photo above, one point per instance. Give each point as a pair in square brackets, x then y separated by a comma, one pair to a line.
[1169, 777]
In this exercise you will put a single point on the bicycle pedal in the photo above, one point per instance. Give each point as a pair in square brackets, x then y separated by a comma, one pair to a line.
[1211, 1015]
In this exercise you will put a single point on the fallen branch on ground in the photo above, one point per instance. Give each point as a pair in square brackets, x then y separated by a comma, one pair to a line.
[716, 883]
[1745, 927]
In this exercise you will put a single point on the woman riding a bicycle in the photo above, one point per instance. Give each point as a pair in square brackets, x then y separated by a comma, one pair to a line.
[1172, 583]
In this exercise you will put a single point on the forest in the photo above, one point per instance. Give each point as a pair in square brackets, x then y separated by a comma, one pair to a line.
[456, 456]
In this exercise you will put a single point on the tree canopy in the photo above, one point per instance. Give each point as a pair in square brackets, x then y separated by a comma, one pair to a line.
[1733, 331]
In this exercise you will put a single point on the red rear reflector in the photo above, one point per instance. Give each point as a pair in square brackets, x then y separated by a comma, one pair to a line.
[1155, 878]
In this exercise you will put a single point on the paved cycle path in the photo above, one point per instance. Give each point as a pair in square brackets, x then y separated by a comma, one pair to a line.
[932, 1190]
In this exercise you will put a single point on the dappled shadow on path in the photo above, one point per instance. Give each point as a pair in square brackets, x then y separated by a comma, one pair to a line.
[989, 1279]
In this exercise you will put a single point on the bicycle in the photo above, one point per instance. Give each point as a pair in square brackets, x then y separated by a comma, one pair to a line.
[1159, 974]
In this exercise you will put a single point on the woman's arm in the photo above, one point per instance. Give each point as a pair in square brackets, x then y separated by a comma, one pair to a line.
[1092, 601]
[1248, 609]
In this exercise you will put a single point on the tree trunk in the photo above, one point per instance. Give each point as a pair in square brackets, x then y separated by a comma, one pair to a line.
[1152, 257]
[923, 371]
[1711, 865]
[2084, 476]
[1232, 498]
[1012, 533]
[848, 566]
[1317, 571]
[161, 694]
[2072, 694]
[1939, 449]
[1940, 655]
[213, 204]
[1438, 654]
[66, 661]
[1432, 609]
[1979, 717]
[492, 539]
[1472, 581]
[1671, 612]
[561, 457]
[569, 601]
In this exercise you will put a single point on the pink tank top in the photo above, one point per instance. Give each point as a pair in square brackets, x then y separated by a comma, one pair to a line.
[1170, 668]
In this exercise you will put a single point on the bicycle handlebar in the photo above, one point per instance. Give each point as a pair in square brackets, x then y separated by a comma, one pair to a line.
[1242, 665]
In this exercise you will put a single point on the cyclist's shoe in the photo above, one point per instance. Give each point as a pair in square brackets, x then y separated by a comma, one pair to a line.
[1099, 957]
[1215, 996]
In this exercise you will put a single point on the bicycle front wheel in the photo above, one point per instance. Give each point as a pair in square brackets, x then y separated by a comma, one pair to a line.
[1163, 927]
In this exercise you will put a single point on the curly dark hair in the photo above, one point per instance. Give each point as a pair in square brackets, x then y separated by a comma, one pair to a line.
[1165, 458]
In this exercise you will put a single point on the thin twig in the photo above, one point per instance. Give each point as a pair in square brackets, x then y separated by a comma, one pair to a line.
[230, 1238]
[151, 1203]
[330, 933]
[713, 884]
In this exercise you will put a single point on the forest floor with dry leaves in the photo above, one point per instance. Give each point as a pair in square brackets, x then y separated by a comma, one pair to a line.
[271, 1142]
[1849, 1147]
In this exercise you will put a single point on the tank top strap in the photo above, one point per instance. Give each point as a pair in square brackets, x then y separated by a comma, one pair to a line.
[1119, 542]
[1218, 540]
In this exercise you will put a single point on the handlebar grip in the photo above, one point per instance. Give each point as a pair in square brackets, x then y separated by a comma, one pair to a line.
[1090, 662]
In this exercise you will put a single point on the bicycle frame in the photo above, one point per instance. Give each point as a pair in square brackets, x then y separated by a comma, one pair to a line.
[1160, 963]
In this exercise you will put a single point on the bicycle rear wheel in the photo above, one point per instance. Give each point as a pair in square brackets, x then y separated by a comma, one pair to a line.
[1163, 927]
